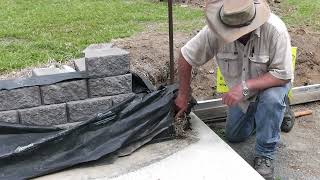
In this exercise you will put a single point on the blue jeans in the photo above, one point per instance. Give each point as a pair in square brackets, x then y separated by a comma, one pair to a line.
[264, 116]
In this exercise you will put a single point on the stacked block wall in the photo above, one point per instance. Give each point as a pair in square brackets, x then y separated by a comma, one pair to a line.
[109, 83]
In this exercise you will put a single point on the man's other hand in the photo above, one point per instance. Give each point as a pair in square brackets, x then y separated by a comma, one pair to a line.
[234, 96]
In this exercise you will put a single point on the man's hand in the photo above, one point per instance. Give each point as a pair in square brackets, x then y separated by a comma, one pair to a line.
[181, 105]
[234, 96]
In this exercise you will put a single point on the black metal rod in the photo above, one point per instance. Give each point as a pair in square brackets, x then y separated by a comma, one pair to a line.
[171, 41]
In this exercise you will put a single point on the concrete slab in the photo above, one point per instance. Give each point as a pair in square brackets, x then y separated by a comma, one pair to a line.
[201, 156]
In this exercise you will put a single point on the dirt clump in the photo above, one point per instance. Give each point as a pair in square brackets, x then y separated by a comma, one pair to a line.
[182, 125]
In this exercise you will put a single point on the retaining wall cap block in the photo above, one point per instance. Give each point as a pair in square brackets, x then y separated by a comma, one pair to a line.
[49, 71]
[68, 68]
[100, 46]
[111, 62]
[110, 85]
[9, 116]
[64, 92]
[20, 98]
[44, 115]
[106, 53]
[80, 64]
[87, 109]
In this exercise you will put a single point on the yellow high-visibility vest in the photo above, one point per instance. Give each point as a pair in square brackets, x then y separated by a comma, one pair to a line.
[222, 86]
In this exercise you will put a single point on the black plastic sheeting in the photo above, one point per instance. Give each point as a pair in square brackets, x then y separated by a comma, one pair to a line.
[28, 152]
[41, 80]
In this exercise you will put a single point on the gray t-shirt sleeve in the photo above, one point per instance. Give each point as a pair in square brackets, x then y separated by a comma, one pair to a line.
[281, 57]
[201, 48]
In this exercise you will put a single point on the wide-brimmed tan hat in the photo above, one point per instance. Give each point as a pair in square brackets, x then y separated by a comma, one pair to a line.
[231, 19]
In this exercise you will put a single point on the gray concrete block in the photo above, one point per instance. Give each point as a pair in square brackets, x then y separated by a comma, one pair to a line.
[109, 86]
[101, 46]
[120, 98]
[87, 109]
[44, 115]
[80, 64]
[49, 71]
[20, 98]
[64, 92]
[111, 62]
[9, 116]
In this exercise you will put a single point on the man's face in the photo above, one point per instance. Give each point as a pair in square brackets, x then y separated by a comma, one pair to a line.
[245, 38]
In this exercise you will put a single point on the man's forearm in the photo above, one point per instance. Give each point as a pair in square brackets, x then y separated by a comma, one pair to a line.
[184, 71]
[235, 95]
[265, 81]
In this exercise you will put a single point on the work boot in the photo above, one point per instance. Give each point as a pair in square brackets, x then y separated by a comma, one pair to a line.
[264, 166]
[288, 119]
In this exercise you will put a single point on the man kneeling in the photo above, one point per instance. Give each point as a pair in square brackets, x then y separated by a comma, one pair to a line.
[252, 48]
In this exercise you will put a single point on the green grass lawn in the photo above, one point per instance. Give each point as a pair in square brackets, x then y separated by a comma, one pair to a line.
[35, 31]
[302, 13]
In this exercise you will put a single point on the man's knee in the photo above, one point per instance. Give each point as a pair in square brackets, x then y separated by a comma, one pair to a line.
[234, 136]
[234, 139]
[273, 97]
[240, 125]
